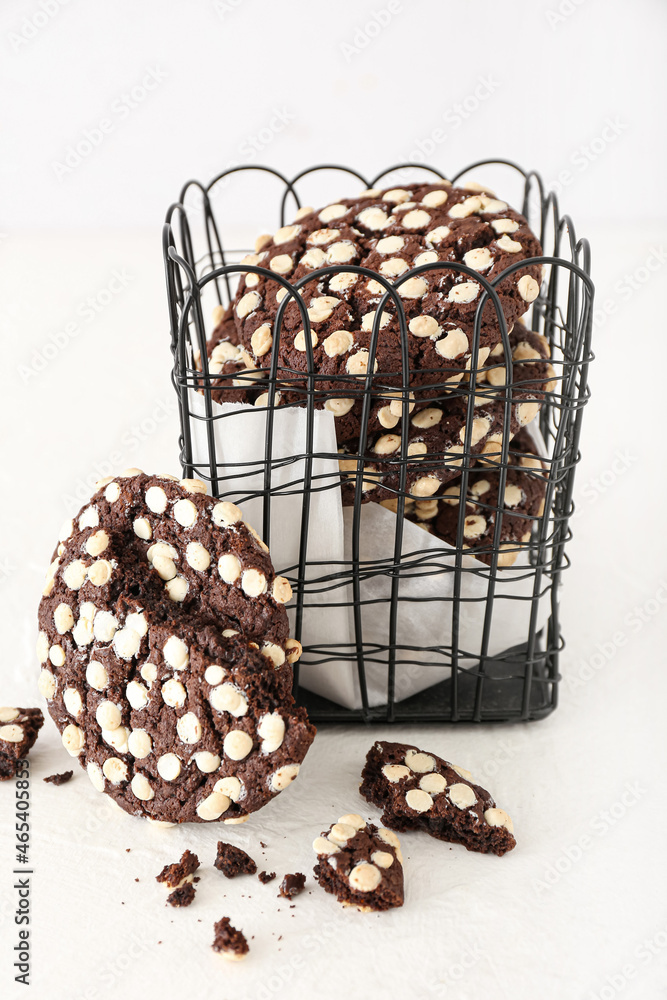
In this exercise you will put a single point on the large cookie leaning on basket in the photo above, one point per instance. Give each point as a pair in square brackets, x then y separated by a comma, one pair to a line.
[390, 232]
[523, 503]
[166, 656]
[419, 791]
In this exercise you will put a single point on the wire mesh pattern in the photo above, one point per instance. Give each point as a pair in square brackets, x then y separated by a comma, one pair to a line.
[452, 670]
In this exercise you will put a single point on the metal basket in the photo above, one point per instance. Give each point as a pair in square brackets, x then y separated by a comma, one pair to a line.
[467, 684]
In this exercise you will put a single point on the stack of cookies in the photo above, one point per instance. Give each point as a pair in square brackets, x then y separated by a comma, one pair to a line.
[401, 402]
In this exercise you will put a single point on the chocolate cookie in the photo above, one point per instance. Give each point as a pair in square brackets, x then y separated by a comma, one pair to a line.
[361, 865]
[165, 654]
[437, 427]
[419, 791]
[523, 502]
[390, 232]
[19, 728]
[181, 872]
[229, 942]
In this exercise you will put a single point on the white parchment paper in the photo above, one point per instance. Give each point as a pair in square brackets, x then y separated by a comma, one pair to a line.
[328, 620]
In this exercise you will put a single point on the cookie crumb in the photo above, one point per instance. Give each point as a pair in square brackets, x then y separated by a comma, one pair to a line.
[292, 885]
[229, 942]
[232, 861]
[182, 896]
[265, 877]
[174, 876]
[59, 779]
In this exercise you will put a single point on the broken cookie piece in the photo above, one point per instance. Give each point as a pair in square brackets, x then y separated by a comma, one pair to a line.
[59, 779]
[18, 731]
[361, 865]
[419, 791]
[176, 875]
[232, 861]
[266, 877]
[292, 885]
[182, 896]
[229, 942]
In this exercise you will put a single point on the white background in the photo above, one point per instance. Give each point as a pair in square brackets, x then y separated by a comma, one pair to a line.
[578, 909]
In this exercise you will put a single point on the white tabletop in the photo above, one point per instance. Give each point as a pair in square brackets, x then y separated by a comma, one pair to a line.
[577, 910]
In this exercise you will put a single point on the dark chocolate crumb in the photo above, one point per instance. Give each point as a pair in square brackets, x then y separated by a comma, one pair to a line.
[59, 779]
[182, 896]
[292, 885]
[265, 877]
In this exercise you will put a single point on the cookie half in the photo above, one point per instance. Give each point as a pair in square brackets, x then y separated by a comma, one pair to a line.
[361, 865]
[420, 791]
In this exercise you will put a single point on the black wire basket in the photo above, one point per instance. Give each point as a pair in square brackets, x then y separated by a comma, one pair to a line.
[455, 673]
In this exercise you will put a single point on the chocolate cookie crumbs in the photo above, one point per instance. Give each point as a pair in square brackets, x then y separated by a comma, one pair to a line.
[180, 872]
[59, 779]
[292, 885]
[266, 877]
[229, 942]
[232, 861]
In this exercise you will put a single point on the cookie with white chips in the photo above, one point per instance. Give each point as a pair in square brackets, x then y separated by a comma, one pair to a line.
[166, 659]
[437, 426]
[522, 503]
[19, 728]
[361, 865]
[391, 232]
[420, 791]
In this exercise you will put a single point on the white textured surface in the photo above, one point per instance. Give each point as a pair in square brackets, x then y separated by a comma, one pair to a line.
[471, 925]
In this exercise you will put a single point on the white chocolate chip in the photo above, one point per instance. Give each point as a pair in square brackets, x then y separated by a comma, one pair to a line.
[365, 877]
[94, 772]
[197, 556]
[112, 492]
[189, 728]
[390, 244]
[177, 588]
[508, 245]
[253, 582]
[169, 766]
[434, 199]
[416, 219]
[425, 487]
[320, 237]
[142, 528]
[271, 731]
[173, 693]
[498, 817]
[466, 291]
[73, 702]
[176, 653]
[426, 418]
[247, 304]
[383, 859]
[114, 770]
[126, 643]
[513, 495]
[63, 618]
[229, 568]
[237, 744]
[357, 363]
[340, 833]
[73, 739]
[213, 806]
[99, 573]
[433, 783]
[396, 196]
[525, 412]
[261, 340]
[57, 655]
[413, 288]
[226, 514]
[227, 698]
[504, 225]
[528, 288]
[108, 715]
[96, 675]
[206, 761]
[419, 800]
[97, 543]
[427, 257]
[156, 499]
[332, 212]
[46, 684]
[321, 845]
[321, 308]
[283, 777]
[479, 259]
[465, 208]
[480, 428]
[215, 674]
[104, 626]
[424, 326]
[281, 264]
[338, 342]
[395, 772]
[141, 788]
[74, 574]
[462, 795]
[373, 218]
[438, 234]
[341, 253]
[419, 762]
[139, 743]
[185, 513]
[300, 340]
[230, 787]
[11, 734]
